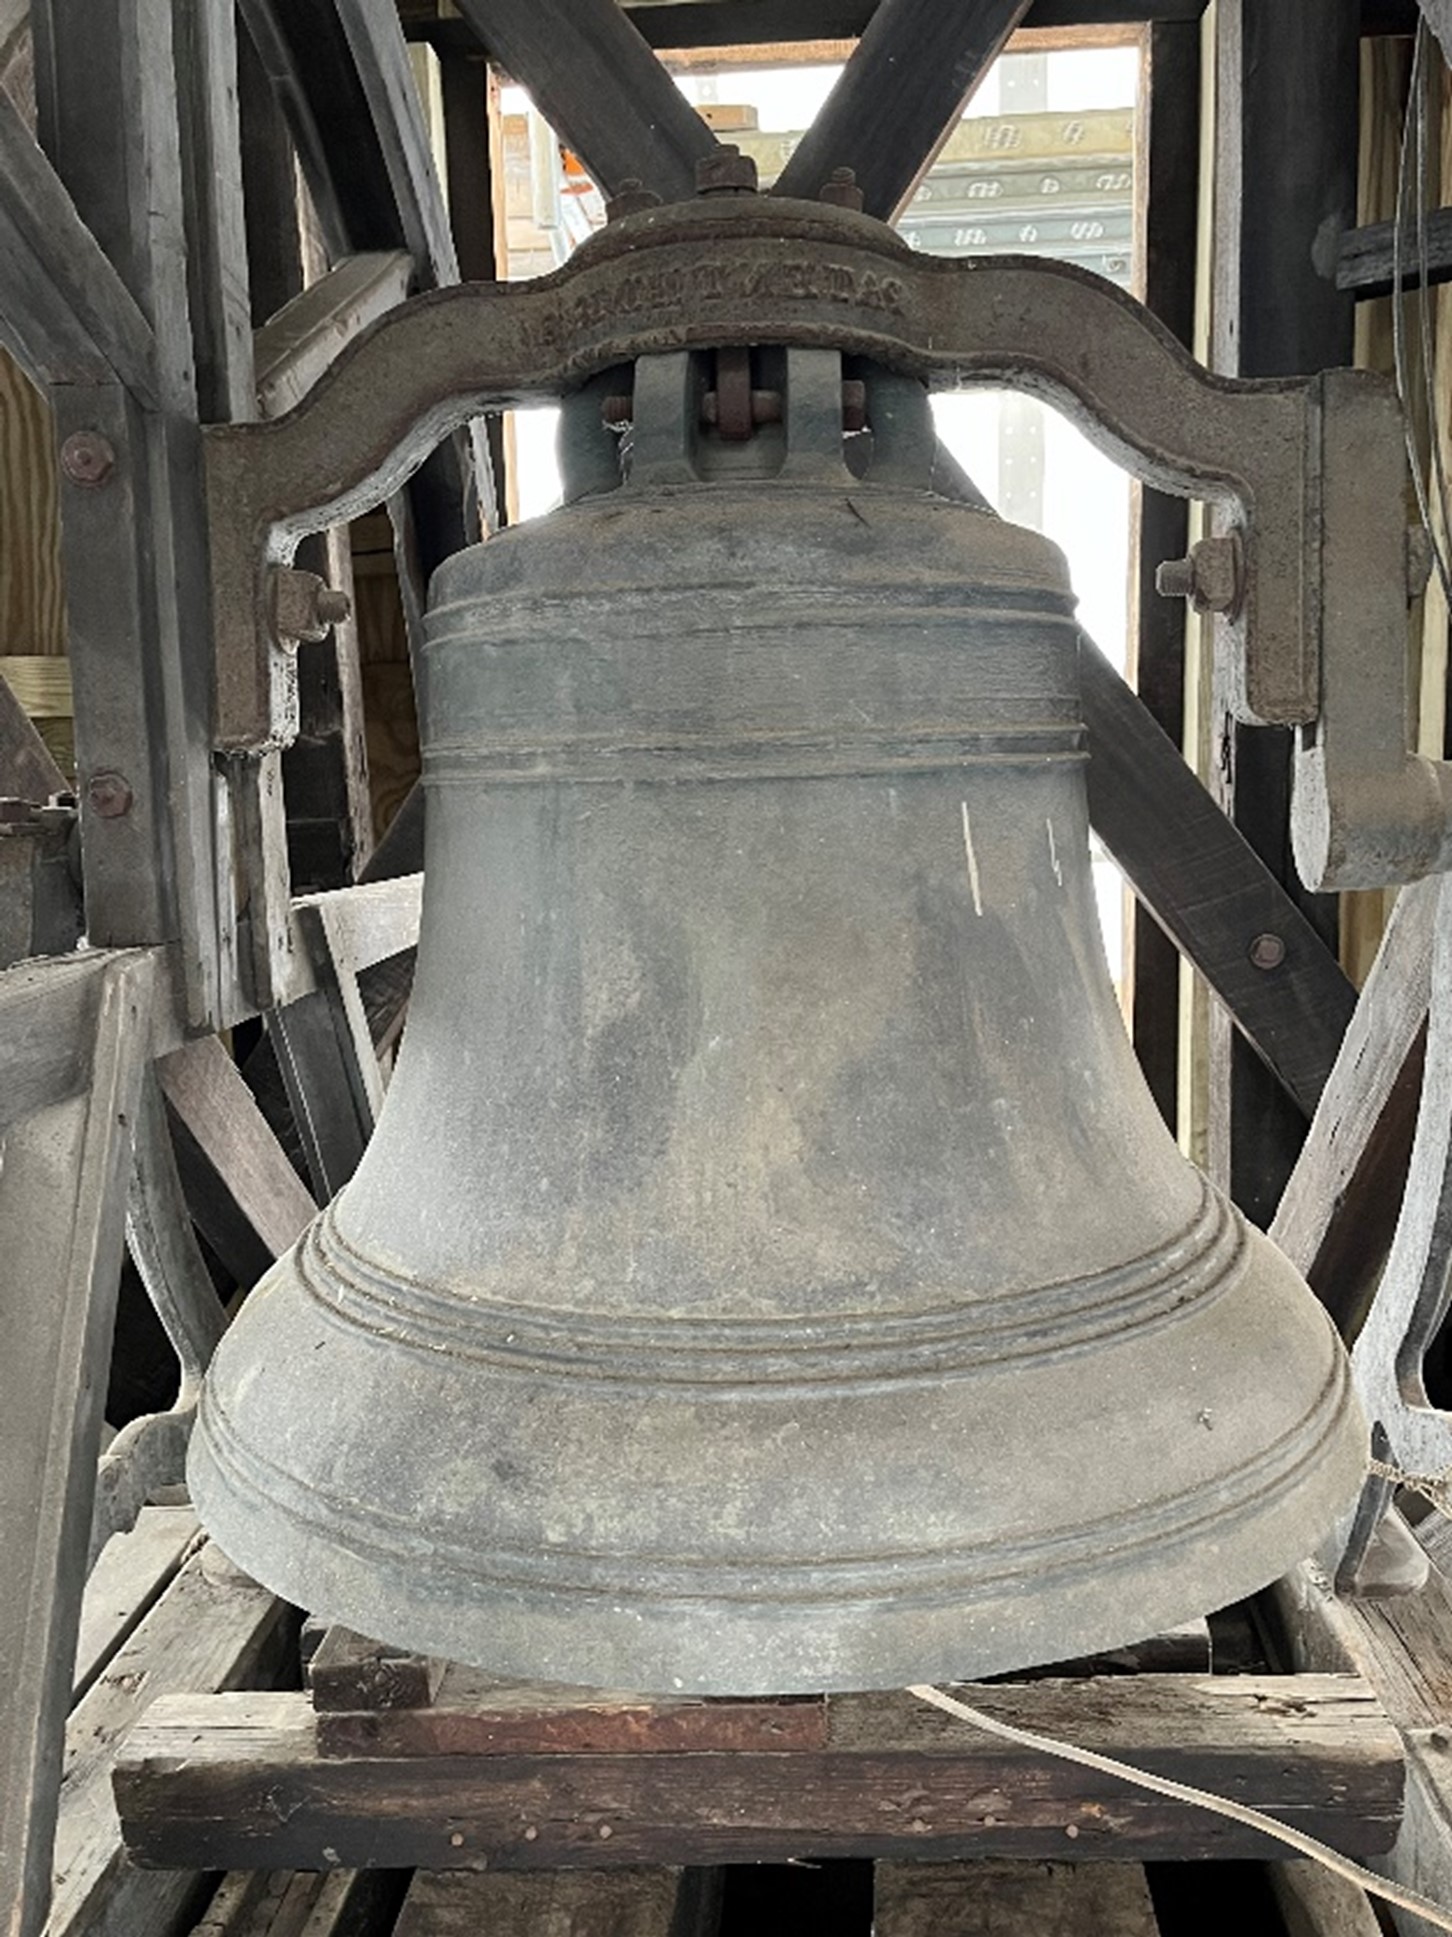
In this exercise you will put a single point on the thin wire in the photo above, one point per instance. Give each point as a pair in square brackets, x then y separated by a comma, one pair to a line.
[1415, 116]
[1296, 1839]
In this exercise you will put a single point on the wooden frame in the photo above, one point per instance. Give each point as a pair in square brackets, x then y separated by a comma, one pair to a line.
[124, 232]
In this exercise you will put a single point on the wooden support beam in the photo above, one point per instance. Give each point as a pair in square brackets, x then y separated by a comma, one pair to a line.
[133, 544]
[1209, 891]
[981, 1899]
[199, 1783]
[27, 770]
[67, 316]
[600, 88]
[1285, 145]
[1167, 183]
[207, 1091]
[576, 1903]
[1337, 1214]
[62, 1212]
[296, 346]
[913, 71]
[1364, 257]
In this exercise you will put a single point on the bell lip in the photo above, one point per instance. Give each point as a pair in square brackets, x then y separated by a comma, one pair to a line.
[760, 1645]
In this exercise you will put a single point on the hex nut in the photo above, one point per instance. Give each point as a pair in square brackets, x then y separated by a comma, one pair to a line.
[841, 190]
[631, 198]
[726, 172]
[88, 458]
[304, 607]
[1212, 578]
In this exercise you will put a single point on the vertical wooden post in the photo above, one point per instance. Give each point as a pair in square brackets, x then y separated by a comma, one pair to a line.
[1167, 169]
[1286, 162]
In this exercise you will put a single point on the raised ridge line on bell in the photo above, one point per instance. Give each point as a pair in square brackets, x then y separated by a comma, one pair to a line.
[849, 1349]
[891, 1577]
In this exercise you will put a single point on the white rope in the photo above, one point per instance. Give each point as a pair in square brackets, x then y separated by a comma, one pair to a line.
[1342, 1866]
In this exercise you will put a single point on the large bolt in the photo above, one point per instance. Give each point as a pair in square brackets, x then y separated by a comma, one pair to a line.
[87, 457]
[631, 198]
[303, 607]
[109, 795]
[726, 171]
[841, 190]
[1212, 578]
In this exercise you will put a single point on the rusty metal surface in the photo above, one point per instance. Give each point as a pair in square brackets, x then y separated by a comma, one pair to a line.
[742, 269]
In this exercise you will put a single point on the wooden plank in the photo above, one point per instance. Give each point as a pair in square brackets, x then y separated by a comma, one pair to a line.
[132, 1572]
[1209, 890]
[62, 1213]
[212, 1629]
[208, 1093]
[992, 1899]
[600, 88]
[1338, 1211]
[578, 1903]
[301, 340]
[439, 1709]
[237, 1781]
[914, 70]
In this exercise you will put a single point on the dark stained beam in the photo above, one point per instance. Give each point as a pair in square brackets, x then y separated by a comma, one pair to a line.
[906, 84]
[1364, 259]
[1211, 893]
[1167, 182]
[1285, 146]
[600, 88]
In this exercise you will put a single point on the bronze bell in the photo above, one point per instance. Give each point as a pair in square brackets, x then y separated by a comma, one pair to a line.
[769, 1272]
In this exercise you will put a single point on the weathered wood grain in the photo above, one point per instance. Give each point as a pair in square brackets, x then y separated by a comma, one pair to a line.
[131, 1573]
[997, 1899]
[577, 1903]
[466, 1712]
[297, 344]
[207, 1091]
[1338, 1211]
[212, 1629]
[62, 1212]
[237, 1781]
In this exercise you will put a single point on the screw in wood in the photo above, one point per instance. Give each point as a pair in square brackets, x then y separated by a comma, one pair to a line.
[1267, 951]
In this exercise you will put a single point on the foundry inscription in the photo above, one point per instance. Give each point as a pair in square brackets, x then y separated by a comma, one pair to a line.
[690, 286]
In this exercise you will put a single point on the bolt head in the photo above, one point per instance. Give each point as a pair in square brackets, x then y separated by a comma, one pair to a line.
[109, 795]
[726, 172]
[841, 190]
[1267, 951]
[334, 607]
[87, 457]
